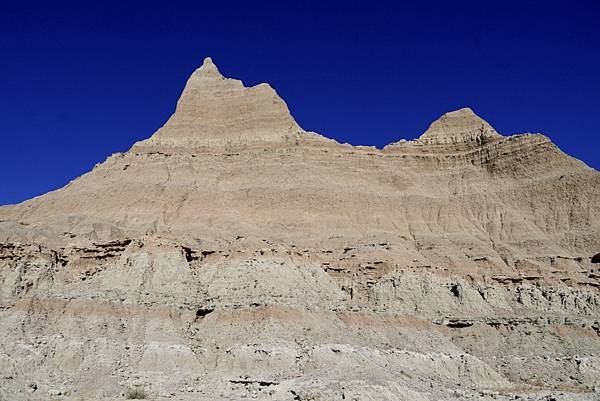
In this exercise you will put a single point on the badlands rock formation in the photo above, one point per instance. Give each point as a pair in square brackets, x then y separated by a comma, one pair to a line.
[234, 255]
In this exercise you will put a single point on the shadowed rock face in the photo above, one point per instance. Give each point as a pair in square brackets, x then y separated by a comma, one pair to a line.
[233, 254]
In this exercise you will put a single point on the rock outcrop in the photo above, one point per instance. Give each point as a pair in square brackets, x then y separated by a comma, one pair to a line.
[233, 254]
[459, 127]
[215, 111]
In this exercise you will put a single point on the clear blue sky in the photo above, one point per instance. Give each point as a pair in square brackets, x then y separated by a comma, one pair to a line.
[82, 80]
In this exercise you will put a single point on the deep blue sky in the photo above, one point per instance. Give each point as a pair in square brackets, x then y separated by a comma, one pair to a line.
[81, 81]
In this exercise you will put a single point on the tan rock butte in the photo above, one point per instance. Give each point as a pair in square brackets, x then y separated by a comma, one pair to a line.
[234, 255]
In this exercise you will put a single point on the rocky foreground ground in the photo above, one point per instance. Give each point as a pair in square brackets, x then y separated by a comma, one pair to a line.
[234, 255]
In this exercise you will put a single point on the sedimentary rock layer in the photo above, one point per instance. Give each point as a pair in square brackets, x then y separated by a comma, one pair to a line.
[233, 254]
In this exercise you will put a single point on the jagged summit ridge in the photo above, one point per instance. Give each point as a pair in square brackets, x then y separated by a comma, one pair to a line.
[215, 111]
[218, 112]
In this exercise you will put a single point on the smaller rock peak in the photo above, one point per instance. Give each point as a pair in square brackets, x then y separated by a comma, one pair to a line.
[459, 126]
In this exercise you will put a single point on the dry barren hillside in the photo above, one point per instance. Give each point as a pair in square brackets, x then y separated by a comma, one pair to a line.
[234, 255]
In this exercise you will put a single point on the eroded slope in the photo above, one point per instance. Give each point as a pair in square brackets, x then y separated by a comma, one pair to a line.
[233, 254]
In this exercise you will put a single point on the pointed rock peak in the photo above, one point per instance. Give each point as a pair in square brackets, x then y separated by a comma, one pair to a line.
[459, 126]
[209, 69]
[217, 111]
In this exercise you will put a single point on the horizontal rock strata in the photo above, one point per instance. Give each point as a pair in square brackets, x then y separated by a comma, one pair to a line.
[234, 255]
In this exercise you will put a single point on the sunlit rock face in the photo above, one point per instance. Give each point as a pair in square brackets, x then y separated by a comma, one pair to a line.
[234, 255]
[215, 111]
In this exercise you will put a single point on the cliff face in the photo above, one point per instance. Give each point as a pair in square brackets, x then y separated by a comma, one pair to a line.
[233, 254]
